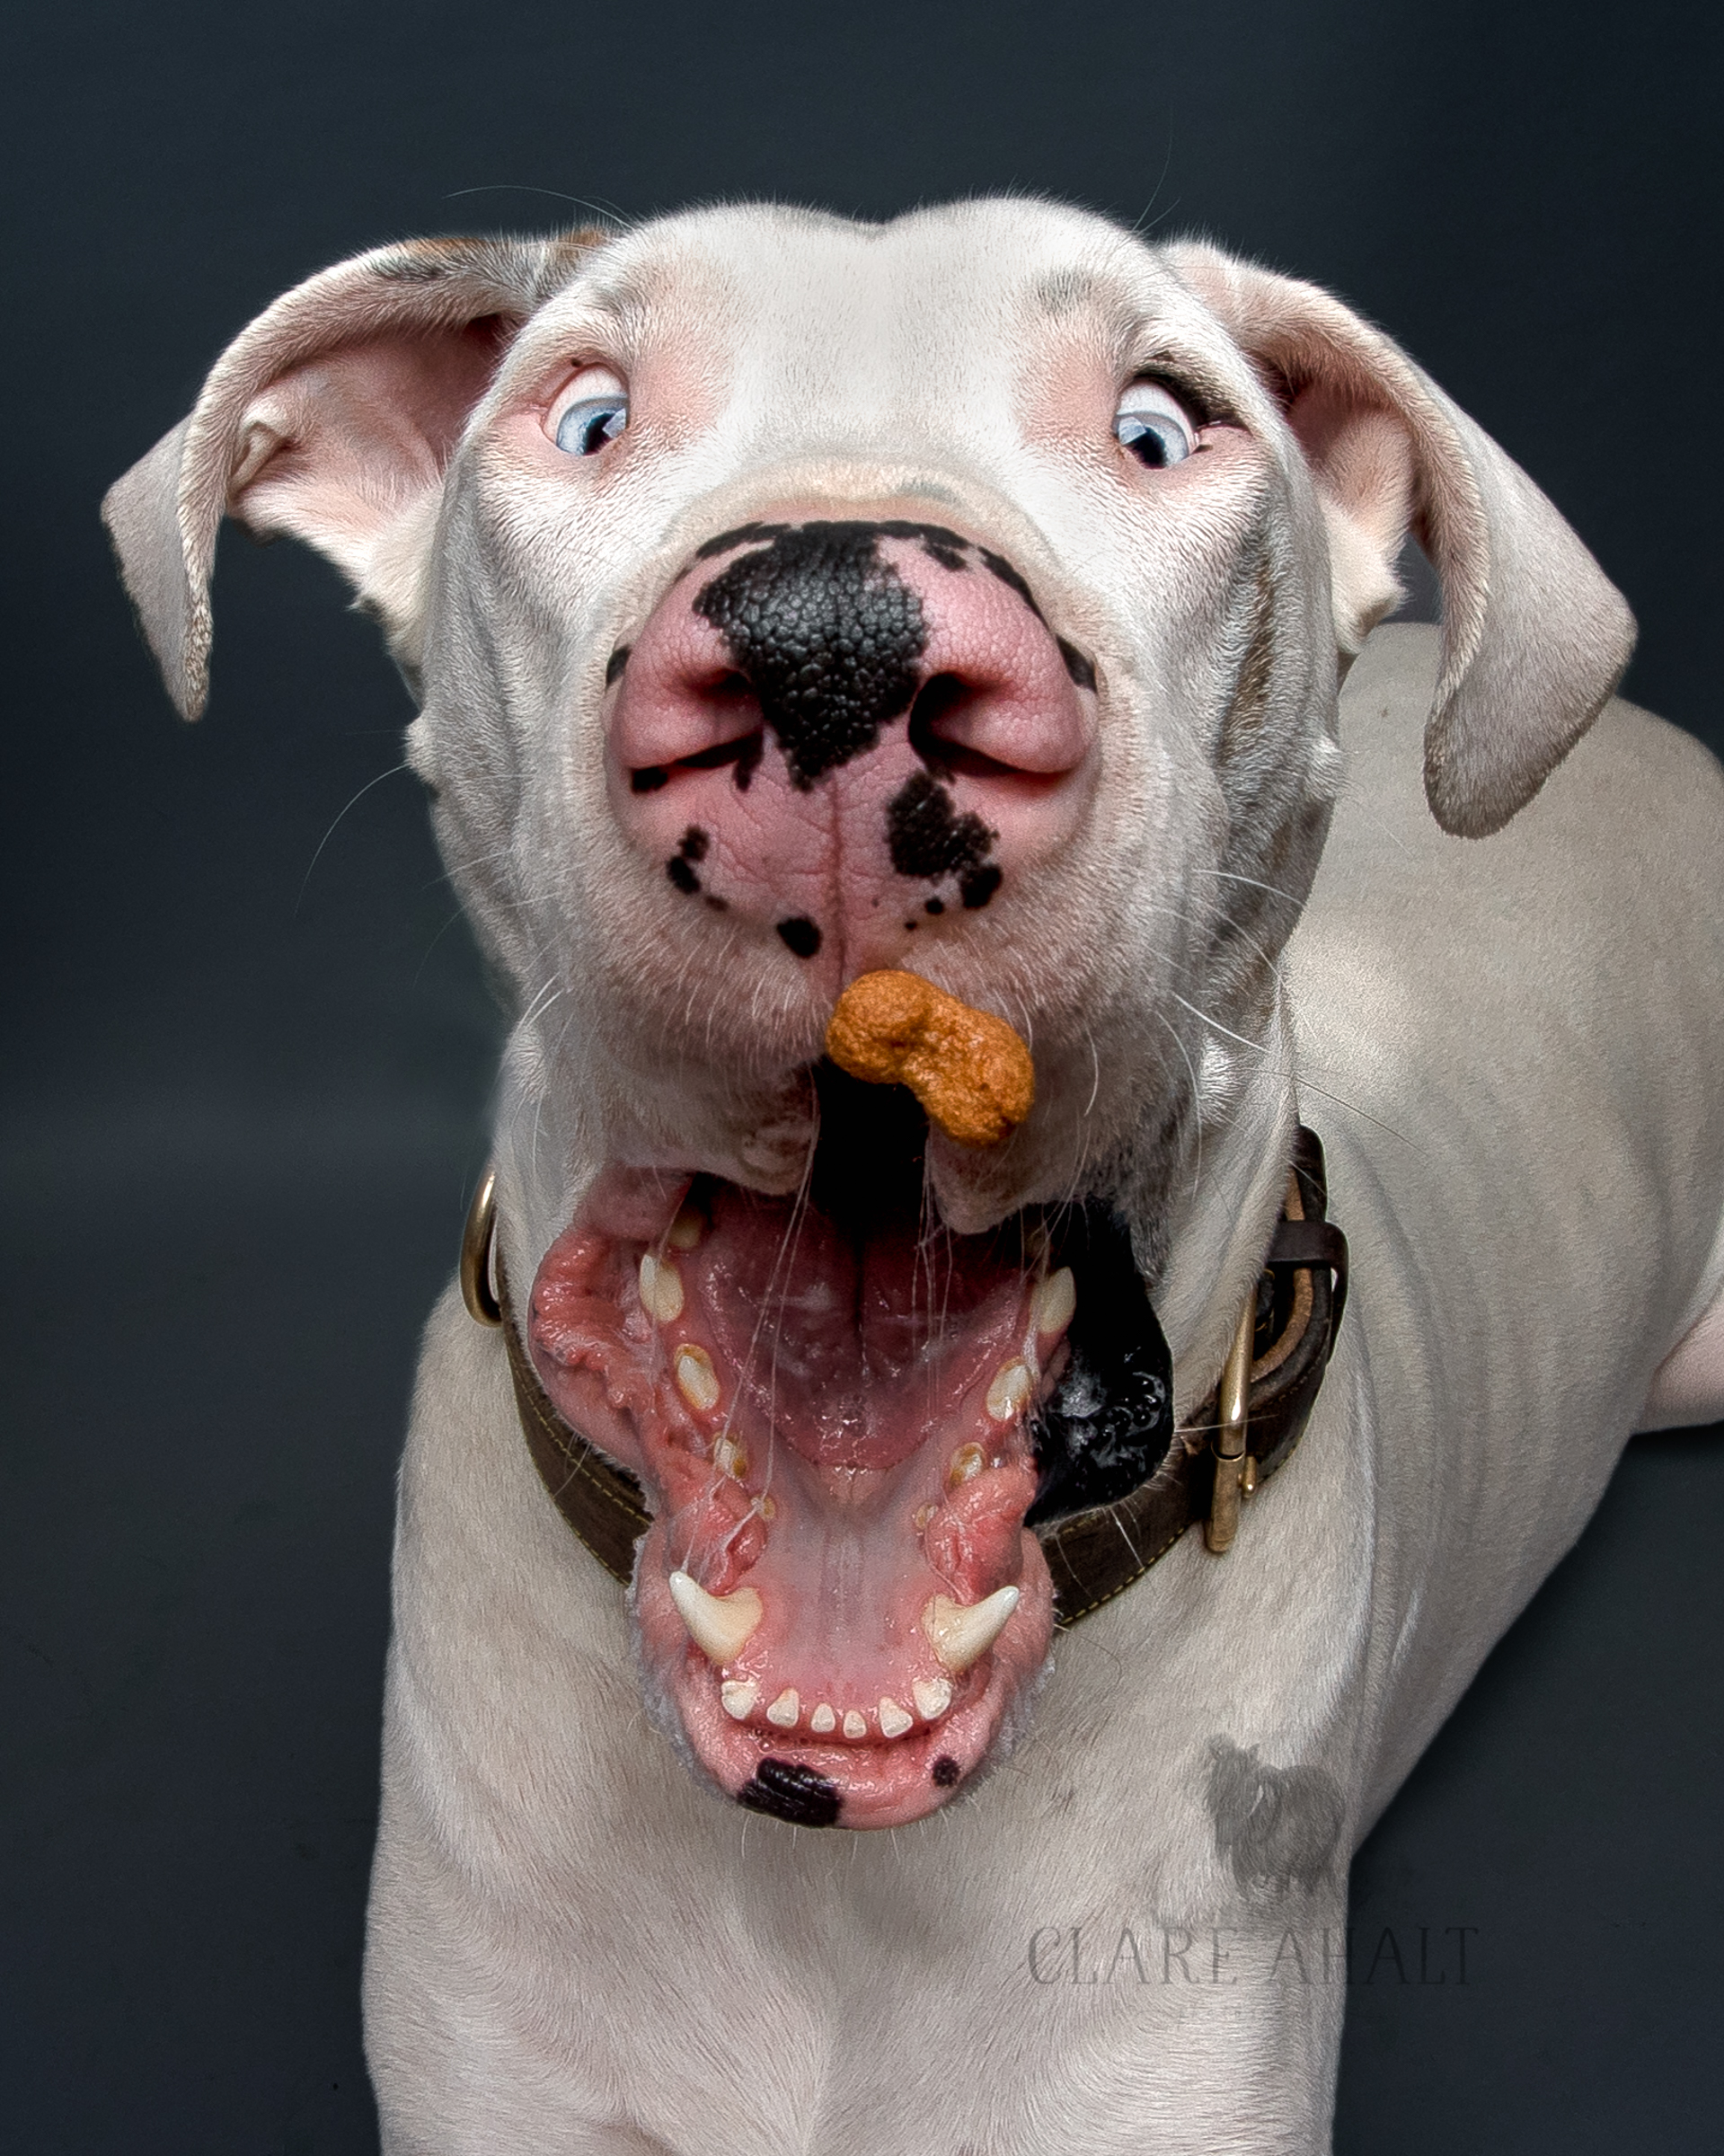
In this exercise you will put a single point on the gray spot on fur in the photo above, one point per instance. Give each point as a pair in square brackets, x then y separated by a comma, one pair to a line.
[1275, 1826]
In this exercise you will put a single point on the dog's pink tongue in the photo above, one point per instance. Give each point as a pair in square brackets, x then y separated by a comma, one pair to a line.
[838, 1592]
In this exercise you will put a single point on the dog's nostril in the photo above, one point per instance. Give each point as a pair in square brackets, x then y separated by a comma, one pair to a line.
[744, 751]
[940, 698]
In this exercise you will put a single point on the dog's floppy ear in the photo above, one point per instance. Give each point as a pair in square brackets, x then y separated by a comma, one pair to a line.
[332, 417]
[1534, 635]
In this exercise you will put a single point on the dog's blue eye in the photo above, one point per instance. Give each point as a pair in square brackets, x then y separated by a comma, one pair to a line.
[1152, 424]
[587, 425]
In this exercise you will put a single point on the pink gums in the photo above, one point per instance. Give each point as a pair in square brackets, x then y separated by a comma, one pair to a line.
[849, 1470]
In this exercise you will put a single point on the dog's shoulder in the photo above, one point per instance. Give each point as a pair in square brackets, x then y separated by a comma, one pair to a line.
[1627, 830]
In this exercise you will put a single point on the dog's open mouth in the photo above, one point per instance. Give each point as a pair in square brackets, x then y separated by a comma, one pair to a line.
[845, 1418]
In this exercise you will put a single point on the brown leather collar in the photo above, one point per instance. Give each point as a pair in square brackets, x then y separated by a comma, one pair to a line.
[1092, 1555]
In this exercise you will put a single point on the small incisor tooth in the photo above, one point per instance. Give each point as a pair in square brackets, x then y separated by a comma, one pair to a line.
[933, 1696]
[720, 1625]
[730, 1458]
[696, 1380]
[1056, 1302]
[784, 1709]
[1009, 1394]
[738, 1698]
[961, 1634]
[661, 1289]
[967, 1461]
[823, 1720]
[893, 1721]
[686, 1230]
[855, 1725]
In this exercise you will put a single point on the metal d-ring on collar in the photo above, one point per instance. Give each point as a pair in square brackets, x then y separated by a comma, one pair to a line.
[477, 1291]
[1245, 1430]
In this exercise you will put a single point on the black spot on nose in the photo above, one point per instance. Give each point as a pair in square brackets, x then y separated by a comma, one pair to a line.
[680, 867]
[1081, 669]
[825, 633]
[797, 1795]
[801, 934]
[927, 838]
[947, 1772]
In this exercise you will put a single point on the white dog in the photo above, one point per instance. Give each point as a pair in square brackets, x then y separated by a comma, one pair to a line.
[958, 607]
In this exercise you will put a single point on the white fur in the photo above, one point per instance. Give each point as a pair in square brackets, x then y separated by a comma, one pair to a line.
[1509, 1043]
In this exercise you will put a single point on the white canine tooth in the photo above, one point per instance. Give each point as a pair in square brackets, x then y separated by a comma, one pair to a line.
[720, 1625]
[1055, 1302]
[686, 1230]
[960, 1632]
[661, 1289]
[737, 1700]
[933, 1696]
[785, 1709]
[823, 1721]
[893, 1721]
[854, 1725]
[696, 1380]
[1009, 1394]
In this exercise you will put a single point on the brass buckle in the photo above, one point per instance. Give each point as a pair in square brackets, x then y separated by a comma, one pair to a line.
[476, 1290]
[1229, 1442]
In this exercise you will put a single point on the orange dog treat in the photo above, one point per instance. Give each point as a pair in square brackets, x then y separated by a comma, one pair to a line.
[970, 1070]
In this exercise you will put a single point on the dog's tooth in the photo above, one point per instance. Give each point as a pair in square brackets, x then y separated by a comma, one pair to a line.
[855, 1725]
[738, 1698]
[720, 1625]
[961, 1634]
[967, 1461]
[823, 1720]
[1056, 1302]
[765, 1508]
[731, 1457]
[923, 1519]
[893, 1721]
[686, 1230]
[696, 1380]
[933, 1696]
[785, 1709]
[1009, 1394]
[661, 1289]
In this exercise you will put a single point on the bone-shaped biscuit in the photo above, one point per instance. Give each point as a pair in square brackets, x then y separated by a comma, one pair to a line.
[968, 1069]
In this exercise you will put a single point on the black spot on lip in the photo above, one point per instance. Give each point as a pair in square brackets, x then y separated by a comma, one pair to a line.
[616, 663]
[797, 1795]
[934, 905]
[827, 634]
[979, 886]
[801, 934]
[694, 843]
[682, 875]
[946, 1772]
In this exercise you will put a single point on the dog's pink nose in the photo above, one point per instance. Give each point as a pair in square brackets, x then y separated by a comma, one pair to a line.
[844, 731]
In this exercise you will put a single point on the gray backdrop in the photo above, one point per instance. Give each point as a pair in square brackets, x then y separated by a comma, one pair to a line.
[250, 1047]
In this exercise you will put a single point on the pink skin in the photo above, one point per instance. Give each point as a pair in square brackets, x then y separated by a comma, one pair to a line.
[831, 1476]
[1022, 737]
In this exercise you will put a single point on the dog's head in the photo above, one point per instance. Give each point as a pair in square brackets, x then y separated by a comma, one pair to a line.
[789, 600]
